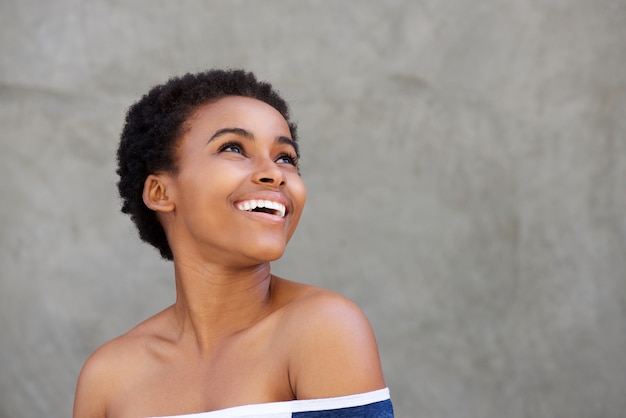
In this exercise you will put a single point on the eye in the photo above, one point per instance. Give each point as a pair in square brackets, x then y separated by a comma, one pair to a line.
[287, 159]
[233, 147]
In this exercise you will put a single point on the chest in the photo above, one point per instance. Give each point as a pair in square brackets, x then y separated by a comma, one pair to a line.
[241, 373]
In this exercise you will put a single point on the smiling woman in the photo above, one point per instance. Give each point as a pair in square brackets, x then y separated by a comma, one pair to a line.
[208, 167]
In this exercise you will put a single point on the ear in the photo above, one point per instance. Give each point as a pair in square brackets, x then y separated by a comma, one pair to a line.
[155, 193]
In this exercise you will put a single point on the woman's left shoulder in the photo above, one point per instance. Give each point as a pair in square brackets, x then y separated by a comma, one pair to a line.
[333, 347]
[315, 309]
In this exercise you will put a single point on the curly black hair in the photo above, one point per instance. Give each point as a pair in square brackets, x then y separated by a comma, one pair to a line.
[154, 126]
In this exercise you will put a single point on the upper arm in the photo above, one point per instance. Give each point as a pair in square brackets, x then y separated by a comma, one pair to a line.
[93, 383]
[334, 351]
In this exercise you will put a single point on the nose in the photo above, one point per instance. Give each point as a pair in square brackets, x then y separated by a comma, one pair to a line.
[268, 173]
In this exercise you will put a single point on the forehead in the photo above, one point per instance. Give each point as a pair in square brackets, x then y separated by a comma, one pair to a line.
[239, 112]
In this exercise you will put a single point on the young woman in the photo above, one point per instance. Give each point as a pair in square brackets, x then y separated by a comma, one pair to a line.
[208, 167]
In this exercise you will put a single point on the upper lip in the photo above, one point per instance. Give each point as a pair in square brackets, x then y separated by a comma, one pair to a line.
[275, 202]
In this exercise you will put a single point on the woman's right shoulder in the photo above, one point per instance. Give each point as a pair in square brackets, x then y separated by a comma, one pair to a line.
[98, 378]
[106, 363]
[108, 367]
[114, 355]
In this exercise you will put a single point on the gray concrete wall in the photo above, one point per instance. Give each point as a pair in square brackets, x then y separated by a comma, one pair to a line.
[466, 168]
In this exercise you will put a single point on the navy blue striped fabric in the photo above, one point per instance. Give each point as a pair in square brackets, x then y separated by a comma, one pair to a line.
[374, 404]
[382, 409]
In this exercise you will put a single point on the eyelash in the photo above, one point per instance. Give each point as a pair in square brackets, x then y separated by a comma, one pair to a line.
[226, 146]
[292, 158]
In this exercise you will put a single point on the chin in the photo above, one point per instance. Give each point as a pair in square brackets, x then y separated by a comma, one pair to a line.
[271, 254]
[268, 250]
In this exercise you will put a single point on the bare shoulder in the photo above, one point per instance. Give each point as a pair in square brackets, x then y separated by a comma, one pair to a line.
[321, 310]
[96, 379]
[104, 370]
[333, 350]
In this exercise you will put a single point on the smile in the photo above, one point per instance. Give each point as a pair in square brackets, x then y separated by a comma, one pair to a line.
[264, 206]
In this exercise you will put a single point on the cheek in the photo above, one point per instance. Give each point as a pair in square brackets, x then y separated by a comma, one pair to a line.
[208, 179]
[203, 194]
[298, 197]
[298, 192]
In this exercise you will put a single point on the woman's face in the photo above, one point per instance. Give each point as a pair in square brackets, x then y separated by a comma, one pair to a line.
[237, 193]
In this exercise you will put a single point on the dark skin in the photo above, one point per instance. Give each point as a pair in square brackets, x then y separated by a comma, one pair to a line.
[236, 334]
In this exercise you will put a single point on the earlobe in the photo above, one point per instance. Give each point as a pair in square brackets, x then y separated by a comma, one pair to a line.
[155, 194]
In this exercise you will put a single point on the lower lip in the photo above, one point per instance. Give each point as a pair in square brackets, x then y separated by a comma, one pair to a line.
[266, 217]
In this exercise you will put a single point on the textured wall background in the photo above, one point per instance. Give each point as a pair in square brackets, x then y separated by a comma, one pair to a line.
[465, 162]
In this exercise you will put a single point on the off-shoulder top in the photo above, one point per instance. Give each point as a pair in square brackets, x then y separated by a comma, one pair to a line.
[375, 404]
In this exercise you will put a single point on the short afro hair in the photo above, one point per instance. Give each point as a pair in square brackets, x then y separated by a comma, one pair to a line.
[154, 126]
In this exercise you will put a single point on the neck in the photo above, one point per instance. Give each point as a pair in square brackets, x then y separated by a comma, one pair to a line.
[214, 302]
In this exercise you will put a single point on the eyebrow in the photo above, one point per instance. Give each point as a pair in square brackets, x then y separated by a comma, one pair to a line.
[236, 131]
[250, 136]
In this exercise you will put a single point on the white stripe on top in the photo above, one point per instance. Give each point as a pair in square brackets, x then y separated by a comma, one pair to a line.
[286, 408]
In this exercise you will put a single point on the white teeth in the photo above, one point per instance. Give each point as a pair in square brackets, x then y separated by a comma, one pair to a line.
[249, 205]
